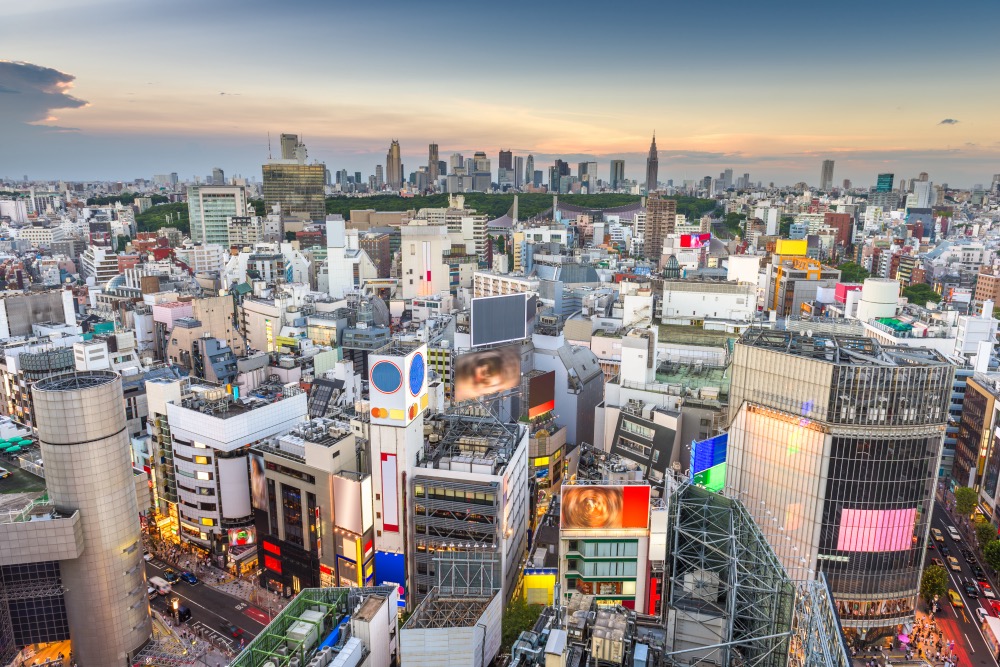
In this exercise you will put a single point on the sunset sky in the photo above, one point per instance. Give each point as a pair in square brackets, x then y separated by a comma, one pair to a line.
[109, 89]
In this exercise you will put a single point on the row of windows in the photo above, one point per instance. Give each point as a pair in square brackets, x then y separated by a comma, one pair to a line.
[604, 568]
[438, 493]
[622, 549]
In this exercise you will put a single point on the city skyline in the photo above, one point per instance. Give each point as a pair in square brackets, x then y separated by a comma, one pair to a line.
[73, 115]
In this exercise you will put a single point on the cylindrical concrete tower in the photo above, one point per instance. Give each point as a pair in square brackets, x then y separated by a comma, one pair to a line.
[85, 449]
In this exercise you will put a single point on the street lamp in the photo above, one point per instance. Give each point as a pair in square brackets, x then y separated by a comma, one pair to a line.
[176, 603]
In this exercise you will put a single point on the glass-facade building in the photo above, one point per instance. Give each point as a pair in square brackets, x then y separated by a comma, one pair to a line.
[210, 209]
[298, 187]
[834, 447]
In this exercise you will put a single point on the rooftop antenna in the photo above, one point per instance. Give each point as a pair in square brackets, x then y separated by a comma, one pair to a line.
[269, 145]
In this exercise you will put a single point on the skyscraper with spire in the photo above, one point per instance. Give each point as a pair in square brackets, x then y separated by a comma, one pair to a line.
[652, 166]
[394, 167]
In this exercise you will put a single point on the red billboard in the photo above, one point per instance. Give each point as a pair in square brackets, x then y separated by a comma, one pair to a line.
[589, 507]
[541, 394]
[695, 240]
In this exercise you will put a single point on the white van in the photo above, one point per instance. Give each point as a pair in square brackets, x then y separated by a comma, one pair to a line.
[161, 585]
[953, 533]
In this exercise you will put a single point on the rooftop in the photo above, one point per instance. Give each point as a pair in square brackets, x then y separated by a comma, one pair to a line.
[847, 350]
[213, 399]
[439, 611]
[483, 443]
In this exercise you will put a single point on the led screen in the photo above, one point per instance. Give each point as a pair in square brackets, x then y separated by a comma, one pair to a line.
[876, 530]
[695, 240]
[487, 372]
[258, 483]
[499, 319]
[713, 479]
[541, 394]
[708, 453]
[239, 537]
[605, 507]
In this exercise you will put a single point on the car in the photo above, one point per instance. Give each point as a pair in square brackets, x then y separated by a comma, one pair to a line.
[953, 565]
[173, 578]
[231, 630]
[956, 599]
[938, 535]
[945, 551]
[995, 606]
[4, 473]
[189, 577]
[981, 614]
[987, 590]
[971, 589]
[151, 592]
[937, 561]
[953, 533]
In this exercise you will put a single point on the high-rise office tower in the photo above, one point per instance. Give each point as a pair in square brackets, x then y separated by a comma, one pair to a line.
[506, 159]
[85, 446]
[617, 174]
[661, 220]
[209, 210]
[923, 176]
[298, 187]
[456, 161]
[884, 183]
[529, 170]
[519, 172]
[432, 164]
[379, 177]
[652, 167]
[394, 167]
[482, 174]
[833, 447]
[826, 176]
[218, 176]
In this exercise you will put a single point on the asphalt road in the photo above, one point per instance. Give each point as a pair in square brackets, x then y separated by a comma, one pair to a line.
[209, 607]
[961, 624]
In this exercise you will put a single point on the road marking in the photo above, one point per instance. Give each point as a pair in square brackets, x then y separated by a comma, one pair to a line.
[969, 641]
[241, 606]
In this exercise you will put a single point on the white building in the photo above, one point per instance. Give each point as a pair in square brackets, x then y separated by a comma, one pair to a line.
[203, 257]
[210, 207]
[689, 301]
[489, 283]
[423, 269]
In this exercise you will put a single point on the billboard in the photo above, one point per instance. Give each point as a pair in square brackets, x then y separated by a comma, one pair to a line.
[499, 319]
[390, 502]
[876, 530]
[234, 486]
[487, 372]
[398, 386]
[347, 504]
[239, 537]
[695, 240]
[390, 570]
[258, 483]
[708, 453]
[541, 394]
[589, 507]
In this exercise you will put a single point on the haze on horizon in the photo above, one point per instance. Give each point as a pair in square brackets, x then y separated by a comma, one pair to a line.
[109, 89]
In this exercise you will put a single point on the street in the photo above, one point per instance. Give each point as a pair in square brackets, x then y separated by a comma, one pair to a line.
[209, 608]
[960, 625]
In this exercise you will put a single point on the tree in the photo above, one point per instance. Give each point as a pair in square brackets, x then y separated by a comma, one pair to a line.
[934, 583]
[991, 553]
[850, 272]
[518, 617]
[785, 226]
[921, 293]
[734, 222]
[965, 500]
[985, 532]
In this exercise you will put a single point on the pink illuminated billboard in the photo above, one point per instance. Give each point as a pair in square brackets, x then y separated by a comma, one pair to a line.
[876, 530]
[695, 240]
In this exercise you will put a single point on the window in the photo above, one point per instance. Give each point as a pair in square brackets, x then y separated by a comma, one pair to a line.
[203, 460]
[205, 476]
[206, 521]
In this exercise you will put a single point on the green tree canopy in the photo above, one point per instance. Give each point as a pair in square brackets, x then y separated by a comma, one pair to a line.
[921, 293]
[985, 532]
[164, 215]
[965, 500]
[851, 272]
[991, 552]
[933, 583]
[518, 617]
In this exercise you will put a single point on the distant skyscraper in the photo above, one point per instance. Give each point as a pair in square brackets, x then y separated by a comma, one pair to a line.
[923, 176]
[847, 184]
[432, 164]
[617, 174]
[652, 167]
[884, 183]
[379, 177]
[529, 170]
[394, 167]
[297, 186]
[826, 176]
[218, 176]
[519, 172]
[456, 161]
[506, 159]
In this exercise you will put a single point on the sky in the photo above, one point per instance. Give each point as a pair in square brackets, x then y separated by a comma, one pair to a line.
[114, 89]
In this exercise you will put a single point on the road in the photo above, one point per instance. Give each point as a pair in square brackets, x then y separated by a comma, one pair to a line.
[961, 624]
[209, 608]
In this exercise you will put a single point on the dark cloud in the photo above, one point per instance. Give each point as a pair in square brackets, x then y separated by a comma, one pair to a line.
[948, 121]
[32, 92]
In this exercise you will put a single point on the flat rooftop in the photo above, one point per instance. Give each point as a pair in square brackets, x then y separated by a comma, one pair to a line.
[483, 441]
[447, 611]
[847, 350]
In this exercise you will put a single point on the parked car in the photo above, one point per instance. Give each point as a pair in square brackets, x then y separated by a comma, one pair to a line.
[938, 535]
[937, 561]
[956, 599]
[173, 578]
[4, 473]
[231, 630]
[189, 577]
[953, 564]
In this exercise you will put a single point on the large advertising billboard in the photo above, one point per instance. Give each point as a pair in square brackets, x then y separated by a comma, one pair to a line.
[541, 394]
[876, 530]
[589, 507]
[239, 537]
[695, 240]
[258, 483]
[499, 319]
[487, 372]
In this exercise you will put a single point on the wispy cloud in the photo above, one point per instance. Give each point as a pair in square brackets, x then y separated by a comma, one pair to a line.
[948, 121]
